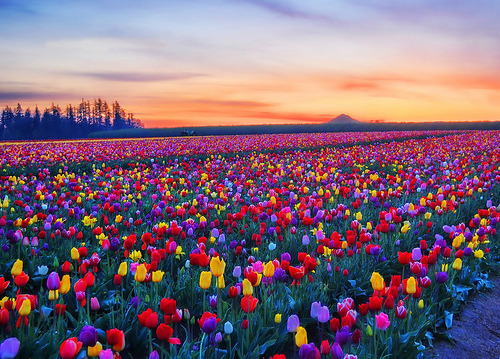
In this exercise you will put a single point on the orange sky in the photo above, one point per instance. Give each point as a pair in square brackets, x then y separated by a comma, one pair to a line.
[257, 61]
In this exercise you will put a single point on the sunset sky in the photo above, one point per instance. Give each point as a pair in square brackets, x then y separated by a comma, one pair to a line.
[208, 62]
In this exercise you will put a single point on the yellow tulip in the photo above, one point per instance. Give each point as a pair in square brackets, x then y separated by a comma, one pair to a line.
[17, 268]
[427, 215]
[94, 351]
[421, 304]
[122, 270]
[53, 294]
[65, 284]
[277, 318]
[369, 226]
[301, 337]
[247, 287]
[411, 285]
[405, 228]
[221, 283]
[25, 307]
[205, 279]
[457, 264]
[158, 276]
[377, 281]
[75, 255]
[479, 254]
[269, 269]
[217, 266]
[140, 273]
[135, 255]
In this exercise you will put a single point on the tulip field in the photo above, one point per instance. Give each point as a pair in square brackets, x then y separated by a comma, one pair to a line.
[326, 245]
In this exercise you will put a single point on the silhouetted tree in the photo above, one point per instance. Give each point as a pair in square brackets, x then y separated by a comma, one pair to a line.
[74, 122]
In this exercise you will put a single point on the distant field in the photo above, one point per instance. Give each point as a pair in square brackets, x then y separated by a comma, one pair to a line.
[355, 126]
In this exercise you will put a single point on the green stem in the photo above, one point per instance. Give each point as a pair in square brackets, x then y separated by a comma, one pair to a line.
[201, 344]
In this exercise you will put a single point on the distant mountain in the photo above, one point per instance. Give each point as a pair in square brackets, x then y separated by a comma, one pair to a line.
[343, 118]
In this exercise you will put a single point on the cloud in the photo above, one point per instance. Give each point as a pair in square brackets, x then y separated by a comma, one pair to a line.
[30, 95]
[140, 76]
[287, 10]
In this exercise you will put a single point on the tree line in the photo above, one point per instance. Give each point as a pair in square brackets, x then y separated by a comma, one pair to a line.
[73, 122]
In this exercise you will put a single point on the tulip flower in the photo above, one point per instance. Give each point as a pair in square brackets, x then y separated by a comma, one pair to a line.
[168, 306]
[158, 276]
[292, 323]
[208, 322]
[3, 285]
[122, 269]
[217, 266]
[269, 269]
[88, 336]
[70, 348]
[164, 333]
[457, 264]
[94, 304]
[382, 321]
[300, 337]
[309, 351]
[377, 281]
[336, 351]
[53, 282]
[247, 287]
[75, 255]
[411, 285]
[95, 350]
[140, 274]
[106, 354]
[65, 284]
[228, 328]
[17, 268]
[248, 303]
[148, 319]
[205, 279]
[9, 348]
[116, 338]
[325, 347]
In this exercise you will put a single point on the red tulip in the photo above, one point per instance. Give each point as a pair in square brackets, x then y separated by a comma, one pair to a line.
[164, 333]
[70, 348]
[248, 303]
[148, 319]
[116, 338]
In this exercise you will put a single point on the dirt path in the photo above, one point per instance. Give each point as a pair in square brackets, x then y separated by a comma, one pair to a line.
[476, 329]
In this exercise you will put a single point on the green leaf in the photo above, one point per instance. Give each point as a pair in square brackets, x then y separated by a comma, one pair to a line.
[448, 321]
[266, 345]
[430, 338]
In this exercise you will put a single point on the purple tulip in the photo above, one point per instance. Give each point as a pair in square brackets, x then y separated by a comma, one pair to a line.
[53, 282]
[213, 301]
[308, 351]
[441, 277]
[337, 352]
[292, 323]
[9, 348]
[315, 308]
[209, 325]
[342, 335]
[88, 336]
[323, 314]
[154, 355]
